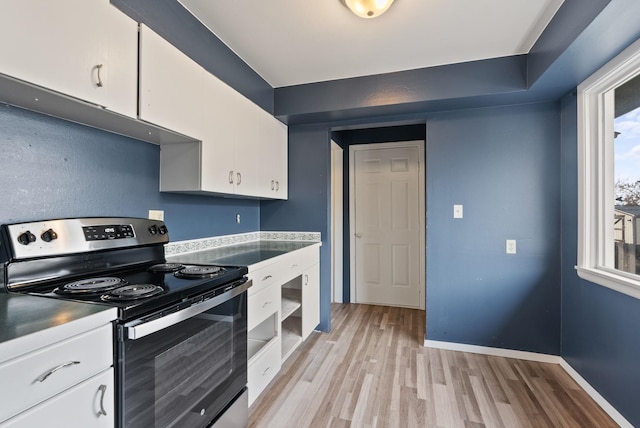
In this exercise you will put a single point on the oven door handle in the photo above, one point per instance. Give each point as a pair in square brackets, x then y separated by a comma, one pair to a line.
[138, 329]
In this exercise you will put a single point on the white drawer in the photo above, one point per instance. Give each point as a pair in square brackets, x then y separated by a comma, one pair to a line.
[39, 375]
[80, 406]
[263, 369]
[265, 277]
[261, 305]
[295, 262]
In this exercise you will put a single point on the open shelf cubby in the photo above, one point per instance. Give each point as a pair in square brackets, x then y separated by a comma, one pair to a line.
[261, 335]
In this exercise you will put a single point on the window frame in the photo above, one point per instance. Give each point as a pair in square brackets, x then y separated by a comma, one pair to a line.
[596, 172]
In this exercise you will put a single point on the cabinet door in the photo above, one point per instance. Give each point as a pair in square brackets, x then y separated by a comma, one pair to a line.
[170, 86]
[272, 145]
[246, 158]
[88, 404]
[85, 49]
[218, 145]
[310, 299]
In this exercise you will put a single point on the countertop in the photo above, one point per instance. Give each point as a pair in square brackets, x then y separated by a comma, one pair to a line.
[30, 322]
[245, 254]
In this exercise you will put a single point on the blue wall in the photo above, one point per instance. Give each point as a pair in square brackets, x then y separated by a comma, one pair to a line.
[502, 164]
[309, 205]
[599, 326]
[50, 168]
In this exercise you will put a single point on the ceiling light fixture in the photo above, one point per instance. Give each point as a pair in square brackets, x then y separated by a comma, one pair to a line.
[368, 8]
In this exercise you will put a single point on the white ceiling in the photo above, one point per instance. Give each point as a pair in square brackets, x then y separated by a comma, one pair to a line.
[291, 42]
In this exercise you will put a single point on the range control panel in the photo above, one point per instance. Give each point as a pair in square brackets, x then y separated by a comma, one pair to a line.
[67, 236]
[113, 231]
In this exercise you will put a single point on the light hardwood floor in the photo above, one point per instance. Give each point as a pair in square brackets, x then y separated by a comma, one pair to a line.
[372, 370]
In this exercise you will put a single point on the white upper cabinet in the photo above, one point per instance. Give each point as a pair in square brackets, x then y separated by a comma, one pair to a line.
[86, 49]
[272, 143]
[241, 149]
[170, 86]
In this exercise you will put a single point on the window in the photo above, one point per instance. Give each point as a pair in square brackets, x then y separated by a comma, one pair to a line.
[609, 174]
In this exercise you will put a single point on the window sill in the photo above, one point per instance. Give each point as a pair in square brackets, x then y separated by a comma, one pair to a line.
[612, 280]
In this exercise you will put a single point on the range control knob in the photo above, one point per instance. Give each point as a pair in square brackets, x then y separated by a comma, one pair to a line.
[49, 235]
[163, 230]
[26, 238]
[153, 229]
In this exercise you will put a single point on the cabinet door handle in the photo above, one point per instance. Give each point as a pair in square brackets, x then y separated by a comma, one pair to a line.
[267, 277]
[306, 280]
[267, 303]
[48, 373]
[99, 82]
[230, 177]
[277, 185]
[294, 266]
[103, 390]
[239, 178]
[273, 185]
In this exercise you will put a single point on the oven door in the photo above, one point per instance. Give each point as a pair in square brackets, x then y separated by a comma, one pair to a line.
[183, 369]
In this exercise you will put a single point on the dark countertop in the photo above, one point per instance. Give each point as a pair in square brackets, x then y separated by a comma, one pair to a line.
[30, 322]
[245, 254]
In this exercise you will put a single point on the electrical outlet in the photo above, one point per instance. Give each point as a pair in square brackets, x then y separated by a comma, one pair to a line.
[457, 211]
[511, 246]
[238, 218]
[156, 215]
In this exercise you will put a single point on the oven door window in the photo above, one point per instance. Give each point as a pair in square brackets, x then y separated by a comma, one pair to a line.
[186, 374]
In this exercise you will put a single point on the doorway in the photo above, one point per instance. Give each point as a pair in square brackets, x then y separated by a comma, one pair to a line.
[387, 212]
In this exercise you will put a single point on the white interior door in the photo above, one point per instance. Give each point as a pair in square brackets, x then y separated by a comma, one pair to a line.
[387, 217]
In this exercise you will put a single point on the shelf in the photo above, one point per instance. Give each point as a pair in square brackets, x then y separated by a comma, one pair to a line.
[291, 301]
[291, 336]
[261, 335]
[256, 346]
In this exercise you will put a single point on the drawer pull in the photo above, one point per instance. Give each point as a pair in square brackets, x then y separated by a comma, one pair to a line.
[294, 266]
[103, 390]
[266, 370]
[267, 277]
[44, 377]
[267, 303]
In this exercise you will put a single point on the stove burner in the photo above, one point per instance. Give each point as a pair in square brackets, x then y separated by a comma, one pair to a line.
[91, 286]
[196, 272]
[132, 292]
[166, 267]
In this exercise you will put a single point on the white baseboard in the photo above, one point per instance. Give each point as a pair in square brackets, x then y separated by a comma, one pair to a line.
[543, 358]
[606, 406]
[497, 352]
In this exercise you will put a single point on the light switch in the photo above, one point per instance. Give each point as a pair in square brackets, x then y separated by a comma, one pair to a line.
[457, 211]
[511, 246]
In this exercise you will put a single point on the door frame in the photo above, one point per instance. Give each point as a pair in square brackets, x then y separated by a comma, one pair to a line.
[420, 144]
[337, 223]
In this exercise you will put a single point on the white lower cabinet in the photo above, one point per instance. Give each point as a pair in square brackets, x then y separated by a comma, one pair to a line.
[43, 373]
[88, 404]
[310, 297]
[283, 310]
[63, 379]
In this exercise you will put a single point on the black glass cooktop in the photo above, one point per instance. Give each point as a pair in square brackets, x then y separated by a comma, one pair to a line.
[141, 291]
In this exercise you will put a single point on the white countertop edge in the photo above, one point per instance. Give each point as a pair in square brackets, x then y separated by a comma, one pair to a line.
[31, 342]
[201, 244]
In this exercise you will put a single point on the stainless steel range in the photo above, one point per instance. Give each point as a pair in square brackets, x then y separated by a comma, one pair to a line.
[180, 337]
